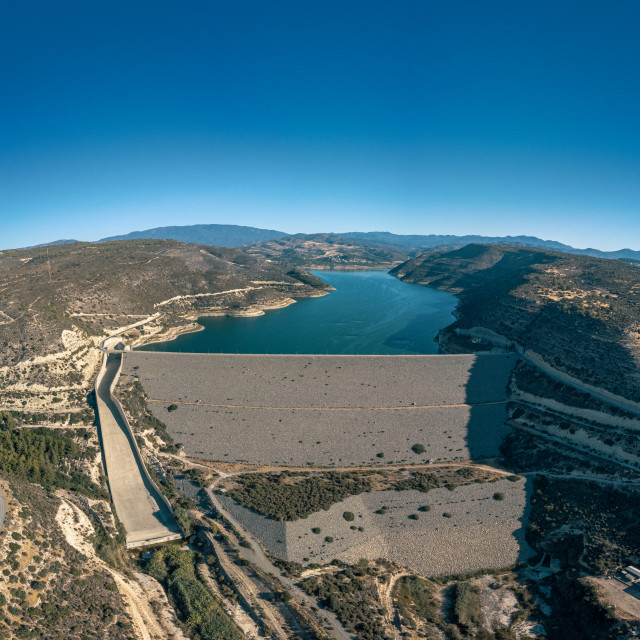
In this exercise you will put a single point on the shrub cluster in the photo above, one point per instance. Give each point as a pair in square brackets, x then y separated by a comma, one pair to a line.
[45, 456]
[205, 618]
[279, 498]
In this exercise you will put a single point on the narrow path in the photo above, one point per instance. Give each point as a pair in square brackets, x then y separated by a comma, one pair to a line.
[247, 590]
[586, 477]
[136, 593]
[582, 450]
[3, 508]
[573, 418]
[385, 592]
[596, 392]
[151, 318]
[267, 408]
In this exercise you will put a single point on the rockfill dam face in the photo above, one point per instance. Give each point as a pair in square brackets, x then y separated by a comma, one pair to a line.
[328, 410]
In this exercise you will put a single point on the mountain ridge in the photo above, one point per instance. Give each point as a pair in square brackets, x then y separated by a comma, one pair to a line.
[215, 235]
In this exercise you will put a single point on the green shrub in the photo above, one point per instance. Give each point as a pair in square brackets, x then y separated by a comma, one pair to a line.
[418, 448]
[348, 516]
[203, 614]
[300, 496]
[466, 606]
[498, 495]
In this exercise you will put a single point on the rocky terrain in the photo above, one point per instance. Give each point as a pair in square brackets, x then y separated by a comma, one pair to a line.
[464, 530]
[327, 251]
[580, 314]
[328, 410]
[57, 302]
[65, 567]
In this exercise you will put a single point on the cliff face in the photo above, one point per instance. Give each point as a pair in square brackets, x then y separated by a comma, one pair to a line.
[581, 314]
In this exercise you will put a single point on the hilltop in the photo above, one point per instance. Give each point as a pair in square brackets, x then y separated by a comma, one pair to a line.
[327, 251]
[581, 314]
[216, 235]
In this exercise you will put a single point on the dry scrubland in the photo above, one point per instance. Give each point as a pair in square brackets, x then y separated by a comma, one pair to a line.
[481, 532]
[329, 410]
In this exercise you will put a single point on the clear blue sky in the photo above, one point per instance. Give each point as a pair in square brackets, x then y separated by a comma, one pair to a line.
[413, 117]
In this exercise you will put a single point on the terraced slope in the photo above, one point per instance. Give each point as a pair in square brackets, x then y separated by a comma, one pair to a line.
[581, 314]
[328, 410]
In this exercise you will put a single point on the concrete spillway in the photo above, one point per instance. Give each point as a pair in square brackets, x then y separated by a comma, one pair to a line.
[142, 509]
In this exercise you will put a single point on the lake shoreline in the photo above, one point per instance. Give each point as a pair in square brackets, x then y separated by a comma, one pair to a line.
[369, 312]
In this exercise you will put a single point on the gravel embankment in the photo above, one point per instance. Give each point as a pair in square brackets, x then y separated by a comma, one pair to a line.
[480, 533]
[329, 410]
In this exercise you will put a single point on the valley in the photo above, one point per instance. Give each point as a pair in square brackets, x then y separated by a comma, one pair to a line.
[423, 483]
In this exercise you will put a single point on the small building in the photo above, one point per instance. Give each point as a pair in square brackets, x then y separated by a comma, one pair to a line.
[635, 573]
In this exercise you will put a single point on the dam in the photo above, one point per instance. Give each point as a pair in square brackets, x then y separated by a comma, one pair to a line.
[329, 410]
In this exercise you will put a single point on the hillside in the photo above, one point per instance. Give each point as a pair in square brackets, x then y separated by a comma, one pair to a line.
[215, 235]
[412, 244]
[581, 314]
[326, 251]
[56, 303]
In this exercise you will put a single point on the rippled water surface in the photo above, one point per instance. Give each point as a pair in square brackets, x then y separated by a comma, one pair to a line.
[370, 312]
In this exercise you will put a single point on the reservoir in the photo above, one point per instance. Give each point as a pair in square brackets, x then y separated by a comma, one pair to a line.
[370, 312]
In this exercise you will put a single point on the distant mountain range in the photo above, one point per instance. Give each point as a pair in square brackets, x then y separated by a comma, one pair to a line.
[236, 236]
[215, 235]
[230, 235]
[413, 243]
[51, 244]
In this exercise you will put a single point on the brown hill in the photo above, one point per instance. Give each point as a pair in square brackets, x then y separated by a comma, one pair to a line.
[89, 289]
[581, 314]
[327, 251]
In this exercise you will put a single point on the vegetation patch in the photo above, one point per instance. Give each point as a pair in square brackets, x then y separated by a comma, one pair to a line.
[352, 595]
[569, 517]
[202, 613]
[48, 457]
[275, 497]
[142, 419]
[466, 606]
[48, 590]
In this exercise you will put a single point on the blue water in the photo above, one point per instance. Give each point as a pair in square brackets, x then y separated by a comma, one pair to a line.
[370, 312]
